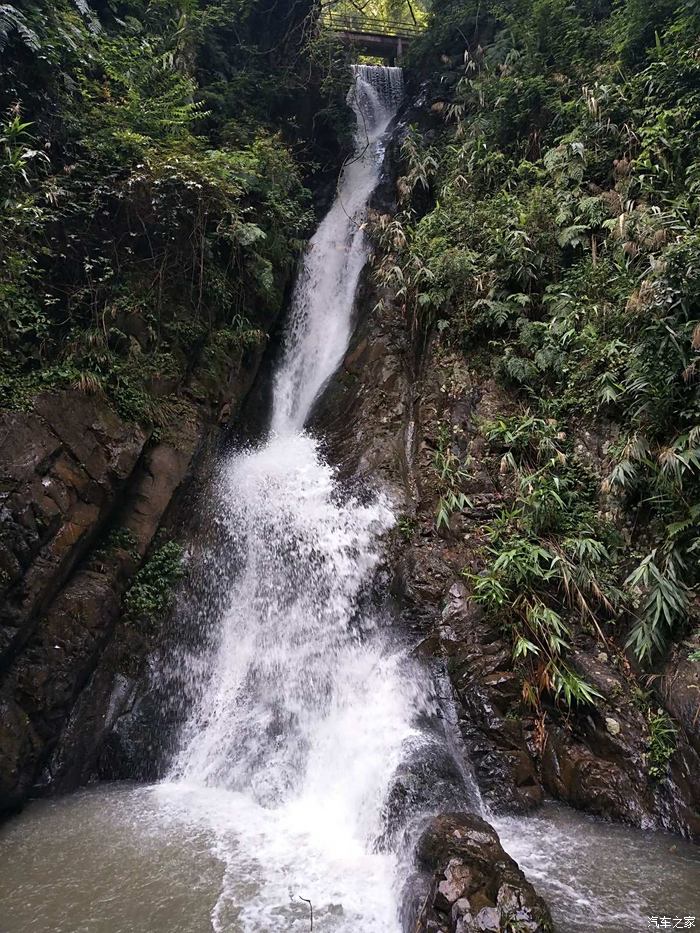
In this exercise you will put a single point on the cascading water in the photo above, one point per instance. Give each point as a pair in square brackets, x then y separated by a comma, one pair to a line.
[321, 315]
[304, 712]
[303, 716]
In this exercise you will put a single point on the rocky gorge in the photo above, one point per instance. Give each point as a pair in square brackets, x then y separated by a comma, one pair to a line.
[107, 526]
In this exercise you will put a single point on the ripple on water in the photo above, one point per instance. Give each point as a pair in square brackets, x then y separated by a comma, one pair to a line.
[603, 876]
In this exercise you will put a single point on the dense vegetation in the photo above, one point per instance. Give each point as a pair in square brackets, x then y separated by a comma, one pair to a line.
[154, 160]
[548, 234]
[367, 14]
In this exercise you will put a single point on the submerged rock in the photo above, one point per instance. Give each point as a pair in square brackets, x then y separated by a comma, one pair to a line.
[474, 885]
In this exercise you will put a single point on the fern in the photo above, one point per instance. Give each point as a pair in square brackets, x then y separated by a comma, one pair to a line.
[575, 235]
[11, 21]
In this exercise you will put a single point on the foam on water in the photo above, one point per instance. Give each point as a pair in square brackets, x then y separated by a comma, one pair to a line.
[305, 712]
[602, 876]
[172, 857]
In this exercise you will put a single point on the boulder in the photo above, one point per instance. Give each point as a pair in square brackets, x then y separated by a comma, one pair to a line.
[474, 885]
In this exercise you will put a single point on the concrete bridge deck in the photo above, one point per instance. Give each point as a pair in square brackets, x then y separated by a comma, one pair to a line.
[375, 37]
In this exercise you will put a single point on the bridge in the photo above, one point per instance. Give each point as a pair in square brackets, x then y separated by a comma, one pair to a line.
[372, 36]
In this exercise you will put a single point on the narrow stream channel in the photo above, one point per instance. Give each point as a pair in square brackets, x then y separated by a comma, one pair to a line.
[305, 706]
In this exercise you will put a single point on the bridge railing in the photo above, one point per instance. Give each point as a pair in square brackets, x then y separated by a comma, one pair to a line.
[369, 25]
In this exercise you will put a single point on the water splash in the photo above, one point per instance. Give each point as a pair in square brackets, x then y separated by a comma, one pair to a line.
[290, 629]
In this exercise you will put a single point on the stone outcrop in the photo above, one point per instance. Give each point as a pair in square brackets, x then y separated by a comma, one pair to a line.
[62, 466]
[680, 688]
[473, 886]
[72, 471]
[480, 669]
[84, 497]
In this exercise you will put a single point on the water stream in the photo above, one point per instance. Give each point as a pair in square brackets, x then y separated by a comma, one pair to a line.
[135, 859]
[304, 704]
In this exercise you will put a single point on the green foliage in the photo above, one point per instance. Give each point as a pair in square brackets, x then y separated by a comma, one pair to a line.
[152, 226]
[550, 559]
[407, 527]
[661, 599]
[549, 229]
[118, 539]
[121, 538]
[661, 744]
[451, 474]
[152, 592]
[368, 12]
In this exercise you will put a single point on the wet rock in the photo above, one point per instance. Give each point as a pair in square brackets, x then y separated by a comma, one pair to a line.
[680, 688]
[70, 469]
[596, 759]
[573, 772]
[489, 694]
[62, 467]
[474, 885]
[426, 781]
[366, 414]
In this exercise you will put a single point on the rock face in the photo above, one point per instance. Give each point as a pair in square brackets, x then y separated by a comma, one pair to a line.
[72, 471]
[83, 498]
[680, 687]
[61, 469]
[479, 664]
[472, 884]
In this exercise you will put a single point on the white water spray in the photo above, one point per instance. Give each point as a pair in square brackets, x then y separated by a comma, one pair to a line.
[305, 712]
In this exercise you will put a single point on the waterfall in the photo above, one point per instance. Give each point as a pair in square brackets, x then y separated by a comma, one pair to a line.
[315, 746]
[322, 304]
[305, 711]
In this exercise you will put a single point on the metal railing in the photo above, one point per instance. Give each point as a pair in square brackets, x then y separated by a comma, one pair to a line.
[369, 25]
